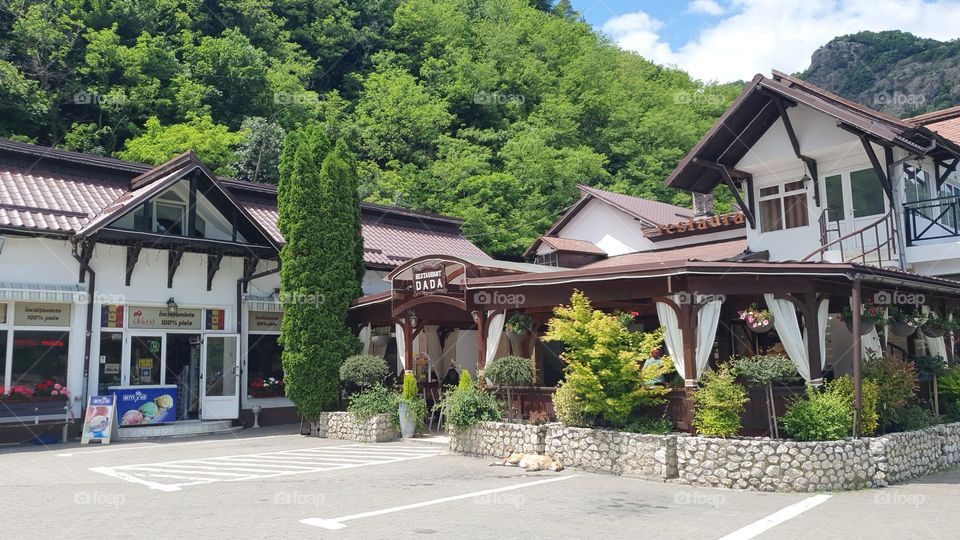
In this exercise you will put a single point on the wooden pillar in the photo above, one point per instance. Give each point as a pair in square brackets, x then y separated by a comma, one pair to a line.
[686, 319]
[481, 341]
[855, 306]
[811, 313]
[407, 345]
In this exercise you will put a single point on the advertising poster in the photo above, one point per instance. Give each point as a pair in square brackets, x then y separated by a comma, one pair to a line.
[146, 405]
[99, 419]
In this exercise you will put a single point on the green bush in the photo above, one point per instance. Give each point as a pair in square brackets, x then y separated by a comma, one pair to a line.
[719, 404]
[567, 408]
[951, 411]
[820, 416]
[466, 407]
[897, 382]
[466, 381]
[509, 371]
[373, 401]
[948, 385]
[870, 396]
[363, 371]
[651, 426]
[914, 417]
[416, 404]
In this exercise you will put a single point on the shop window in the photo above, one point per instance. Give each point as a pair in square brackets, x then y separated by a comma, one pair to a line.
[264, 367]
[784, 207]
[111, 357]
[39, 356]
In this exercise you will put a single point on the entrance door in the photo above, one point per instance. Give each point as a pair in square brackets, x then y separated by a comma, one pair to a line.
[855, 200]
[220, 377]
[144, 364]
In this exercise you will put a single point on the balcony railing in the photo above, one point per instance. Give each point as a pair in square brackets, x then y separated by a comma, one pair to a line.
[873, 244]
[931, 219]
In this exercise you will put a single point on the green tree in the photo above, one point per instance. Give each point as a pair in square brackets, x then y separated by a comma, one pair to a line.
[320, 222]
[509, 371]
[213, 143]
[258, 156]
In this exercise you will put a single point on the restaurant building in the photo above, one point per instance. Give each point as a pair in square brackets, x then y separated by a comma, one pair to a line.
[158, 281]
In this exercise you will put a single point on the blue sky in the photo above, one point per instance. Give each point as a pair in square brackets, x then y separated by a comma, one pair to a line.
[728, 40]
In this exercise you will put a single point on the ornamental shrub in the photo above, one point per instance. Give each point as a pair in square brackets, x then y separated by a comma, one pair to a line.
[650, 426]
[763, 371]
[718, 404]
[820, 416]
[604, 360]
[567, 408]
[509, 371]
[373, 401]
[466, 381]
[914, 417]
[416, 404]
[896, 379]
[363, 371]
[870, 395]
[467, 406]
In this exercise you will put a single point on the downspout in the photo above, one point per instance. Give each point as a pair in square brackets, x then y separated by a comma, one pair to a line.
[88, 339]
[243, 281]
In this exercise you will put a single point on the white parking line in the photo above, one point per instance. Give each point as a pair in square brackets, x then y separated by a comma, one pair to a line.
[166, 445]
[191, 472]
[758, 527]
[337, 523]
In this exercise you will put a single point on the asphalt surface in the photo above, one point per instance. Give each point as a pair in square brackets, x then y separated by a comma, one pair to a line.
[274, 483]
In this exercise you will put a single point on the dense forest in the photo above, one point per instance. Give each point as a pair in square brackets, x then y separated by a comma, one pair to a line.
[490, 110]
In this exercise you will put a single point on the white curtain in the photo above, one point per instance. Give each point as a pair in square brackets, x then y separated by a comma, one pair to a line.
[787, 324]
[870, 343]
[936, 346]
[434, 351]
[823, 314]
[365, 338]
[707, 320]
[495, 322]
[672, 335]
[401, 349]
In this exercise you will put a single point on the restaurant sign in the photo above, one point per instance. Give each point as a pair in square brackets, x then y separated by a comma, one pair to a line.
[265, 321]
[429, 279]
[37, 314]
[165, 318]
[722, 221]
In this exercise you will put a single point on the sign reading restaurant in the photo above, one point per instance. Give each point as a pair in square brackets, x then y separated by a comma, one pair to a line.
[163, 317]
[429, 279]
[720, 222]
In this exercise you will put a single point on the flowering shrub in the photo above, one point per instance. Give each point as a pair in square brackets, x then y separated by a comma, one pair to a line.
[50, 388]
[870, 312]
[266, 387]
[43, 390]
[756, 319]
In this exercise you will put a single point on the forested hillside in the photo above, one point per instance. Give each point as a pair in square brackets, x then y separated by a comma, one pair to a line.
[491, 110]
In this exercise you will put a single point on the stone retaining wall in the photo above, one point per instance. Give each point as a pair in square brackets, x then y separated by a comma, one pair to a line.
[775, 465]
[756, 464]
[498, 439]
[615, 452]
[343, 425]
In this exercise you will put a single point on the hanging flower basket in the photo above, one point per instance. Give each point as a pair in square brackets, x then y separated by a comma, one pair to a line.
[902, 329]
[759, 321]
[871, 317]
[905, 321]
[866, 326]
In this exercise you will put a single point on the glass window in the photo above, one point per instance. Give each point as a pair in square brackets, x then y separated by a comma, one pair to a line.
[169, 218]
[866, 193]
[264, 364]
[915, 184]
[111, 357]
[771, 217]
[835, 202]
[39, 356]
[145, 357]
[795, 205]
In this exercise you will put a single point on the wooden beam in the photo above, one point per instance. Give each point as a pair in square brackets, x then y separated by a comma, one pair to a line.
[747, 212]
[213, 265]
[728, 174]
[174, 256]
[133, 255]
[86, 253]
[795, 143]
[249, 267]
[878, 168]
[191, 228]
[947, 171]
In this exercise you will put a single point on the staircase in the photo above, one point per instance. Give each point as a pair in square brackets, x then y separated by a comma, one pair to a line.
[874, 244]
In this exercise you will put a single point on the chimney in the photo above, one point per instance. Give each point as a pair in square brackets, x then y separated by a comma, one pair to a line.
[702, 204]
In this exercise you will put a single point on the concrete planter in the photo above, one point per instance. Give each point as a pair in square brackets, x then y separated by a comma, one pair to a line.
[408, 423]
[343, 425]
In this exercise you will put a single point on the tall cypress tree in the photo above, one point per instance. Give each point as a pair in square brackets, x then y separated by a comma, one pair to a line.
[320, 220]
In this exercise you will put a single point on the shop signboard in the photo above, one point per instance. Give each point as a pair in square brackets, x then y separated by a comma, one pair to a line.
[429, 279]
[265, 321]
[146, 405]
[41, 314]
[111, 316]
[99, 419]
[152, 317]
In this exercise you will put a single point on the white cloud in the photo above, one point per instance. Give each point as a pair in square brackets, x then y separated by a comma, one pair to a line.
[706, 7]
[759, 35]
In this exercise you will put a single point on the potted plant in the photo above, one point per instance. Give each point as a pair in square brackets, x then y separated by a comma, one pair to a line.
[904, 322]
[379, 339]
[47, 397]
[871, 316]
[935, 326]
[412, 408]
[508, 372]
[518, 327]
[757, 320]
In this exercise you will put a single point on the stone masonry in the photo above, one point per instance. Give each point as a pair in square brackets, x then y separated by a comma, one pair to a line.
[614, 452]
[498, 439]
[343, 425]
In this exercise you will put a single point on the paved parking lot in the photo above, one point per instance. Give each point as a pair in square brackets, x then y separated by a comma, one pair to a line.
[275, 483]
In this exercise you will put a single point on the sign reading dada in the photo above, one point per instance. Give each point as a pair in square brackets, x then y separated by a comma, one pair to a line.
[429, 279]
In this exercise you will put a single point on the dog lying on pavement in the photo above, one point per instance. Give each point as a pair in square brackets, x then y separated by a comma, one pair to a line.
[530, 462]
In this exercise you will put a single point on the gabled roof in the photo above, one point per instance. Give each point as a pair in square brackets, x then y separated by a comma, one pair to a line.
[568, 245]
[649, 211]
[945, 122]
[51, 192]
[754, 111]
[710, 251]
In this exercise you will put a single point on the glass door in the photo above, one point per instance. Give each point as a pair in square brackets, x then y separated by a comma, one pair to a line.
[854, 200]
[145, 359]
[220, 377]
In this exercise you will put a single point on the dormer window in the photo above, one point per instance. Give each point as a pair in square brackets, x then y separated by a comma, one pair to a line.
[547, 259]
[169, 214]
[784, 207]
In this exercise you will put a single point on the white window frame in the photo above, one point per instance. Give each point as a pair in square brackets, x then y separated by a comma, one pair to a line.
[11, 328]
[780, 195]
[170, 204]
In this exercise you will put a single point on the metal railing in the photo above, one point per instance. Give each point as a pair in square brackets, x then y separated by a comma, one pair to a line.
[883, 232]
[931, 219]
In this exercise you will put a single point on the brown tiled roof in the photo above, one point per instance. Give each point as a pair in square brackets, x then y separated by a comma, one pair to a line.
[571, 245]
[655, 212]
[713, 251]
[945, 123]
[48, 191]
